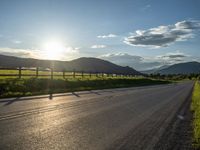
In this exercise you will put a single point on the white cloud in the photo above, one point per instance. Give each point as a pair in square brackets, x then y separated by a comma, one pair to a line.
[120, 55]
[163, 36]
[98, 46]
[68, 53]
[146, 63]
[137, 62]
[174, 57]
[146, 7]
[17, 41]
[26, 53]
[107, 36]
[72, 49]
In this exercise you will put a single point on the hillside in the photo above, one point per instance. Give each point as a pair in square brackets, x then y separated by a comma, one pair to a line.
[80, 64]
[182, 68]
[156, 70]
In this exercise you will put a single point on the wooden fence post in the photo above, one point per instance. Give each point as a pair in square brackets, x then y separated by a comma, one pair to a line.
[52, 69]
[90, 74]
[20, 72]
[74, 73]
[51, 73]
[82, 74]
[37, 70]
[63, 73]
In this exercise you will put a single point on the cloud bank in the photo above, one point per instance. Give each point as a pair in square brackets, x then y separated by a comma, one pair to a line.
[17, 42]
[98, 46]
[146, 63]
[68, 53]
[107, 36]
[163, 36]
[172, 58]
[124, 59]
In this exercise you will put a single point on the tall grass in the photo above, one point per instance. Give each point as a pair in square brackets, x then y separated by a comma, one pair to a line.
[195, 107]
[35, 86]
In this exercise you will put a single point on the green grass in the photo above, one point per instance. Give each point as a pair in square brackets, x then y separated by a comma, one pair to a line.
[57, 75]
[195, 107]
[31, 72]
[36, 86]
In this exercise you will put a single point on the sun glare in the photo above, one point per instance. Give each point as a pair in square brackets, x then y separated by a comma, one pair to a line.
[53, 49]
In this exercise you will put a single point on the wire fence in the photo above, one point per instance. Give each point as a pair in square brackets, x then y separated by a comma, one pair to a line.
[21, 72]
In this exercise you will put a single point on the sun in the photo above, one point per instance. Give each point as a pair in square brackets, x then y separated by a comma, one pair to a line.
[53, 49]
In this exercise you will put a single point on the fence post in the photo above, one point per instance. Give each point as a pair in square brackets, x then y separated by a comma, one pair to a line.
[82, 74]
[74, 74]
[63, 73]
[37, 70]
[51, 73]
[102, 75]
[90, 74]
[52, 69]
[96, 74]
[20, 72]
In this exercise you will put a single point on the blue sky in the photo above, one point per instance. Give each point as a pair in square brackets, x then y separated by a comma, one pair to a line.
[141, 33]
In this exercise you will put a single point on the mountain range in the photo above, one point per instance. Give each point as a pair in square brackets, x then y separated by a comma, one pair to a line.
[181, 68]
[90, 64]
[81, 64]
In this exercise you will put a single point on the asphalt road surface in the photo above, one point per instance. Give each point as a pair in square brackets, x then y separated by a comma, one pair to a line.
[125, 118]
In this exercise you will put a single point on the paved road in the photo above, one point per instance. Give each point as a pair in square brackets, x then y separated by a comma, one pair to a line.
[128, 118]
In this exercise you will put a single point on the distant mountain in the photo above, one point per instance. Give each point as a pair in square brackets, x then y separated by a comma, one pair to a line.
[156, 70]
[181, 68]
[80, 64]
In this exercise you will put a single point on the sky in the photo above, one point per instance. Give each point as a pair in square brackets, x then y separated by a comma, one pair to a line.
[143, 34]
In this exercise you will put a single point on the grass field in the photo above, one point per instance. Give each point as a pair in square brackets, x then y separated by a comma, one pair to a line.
[36, 86]
[195, 107]
[4, 74]
[32, 73]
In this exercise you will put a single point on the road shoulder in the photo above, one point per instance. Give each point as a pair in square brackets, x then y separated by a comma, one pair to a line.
[178, 134]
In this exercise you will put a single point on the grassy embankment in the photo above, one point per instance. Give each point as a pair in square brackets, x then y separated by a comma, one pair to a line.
[35, 86]
[195, 107]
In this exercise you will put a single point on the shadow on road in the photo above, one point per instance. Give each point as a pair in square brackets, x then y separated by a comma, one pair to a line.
[75, 94]
[97, 93]
[12, 101]
[52, 95]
